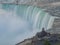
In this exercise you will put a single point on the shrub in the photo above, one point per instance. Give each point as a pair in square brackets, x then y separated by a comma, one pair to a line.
[46, 42]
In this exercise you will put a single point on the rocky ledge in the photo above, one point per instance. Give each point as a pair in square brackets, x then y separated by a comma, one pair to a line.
[42, 38]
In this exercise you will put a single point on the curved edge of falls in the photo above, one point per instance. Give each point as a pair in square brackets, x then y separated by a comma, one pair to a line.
[34, 16]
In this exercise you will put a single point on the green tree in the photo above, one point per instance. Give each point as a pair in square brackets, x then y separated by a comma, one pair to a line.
[28, 44]
[46, 42]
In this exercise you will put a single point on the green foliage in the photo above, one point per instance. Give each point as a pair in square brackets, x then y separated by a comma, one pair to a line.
[28, 44]
[58, 43]
[46, 42]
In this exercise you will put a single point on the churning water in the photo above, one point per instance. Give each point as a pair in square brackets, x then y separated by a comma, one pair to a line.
[18, 22]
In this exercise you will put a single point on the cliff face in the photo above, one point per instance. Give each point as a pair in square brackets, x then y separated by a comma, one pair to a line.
[40, 38]
[56, 26]
[25, 42]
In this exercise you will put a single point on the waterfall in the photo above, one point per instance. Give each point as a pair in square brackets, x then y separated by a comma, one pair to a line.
[25, 20]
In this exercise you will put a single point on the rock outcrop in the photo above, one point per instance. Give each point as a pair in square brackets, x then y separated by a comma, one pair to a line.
[55, 27]
[40, 37]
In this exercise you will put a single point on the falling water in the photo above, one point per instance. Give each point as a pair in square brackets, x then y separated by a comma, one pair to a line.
[27, 19]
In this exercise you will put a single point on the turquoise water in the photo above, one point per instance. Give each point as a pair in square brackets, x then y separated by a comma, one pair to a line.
[18, 22]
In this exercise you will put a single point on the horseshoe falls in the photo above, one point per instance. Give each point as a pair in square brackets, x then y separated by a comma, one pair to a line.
[19, 22]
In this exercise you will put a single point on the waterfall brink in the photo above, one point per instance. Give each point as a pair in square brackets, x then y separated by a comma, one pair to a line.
[34, 15]
[22, 19]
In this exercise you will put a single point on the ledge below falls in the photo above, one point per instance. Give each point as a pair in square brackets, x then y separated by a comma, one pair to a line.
[42, 38]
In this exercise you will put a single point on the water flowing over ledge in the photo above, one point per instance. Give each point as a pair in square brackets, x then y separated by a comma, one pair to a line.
[25, 20]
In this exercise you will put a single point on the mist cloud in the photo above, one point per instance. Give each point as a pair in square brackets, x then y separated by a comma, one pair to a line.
[12, 28]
